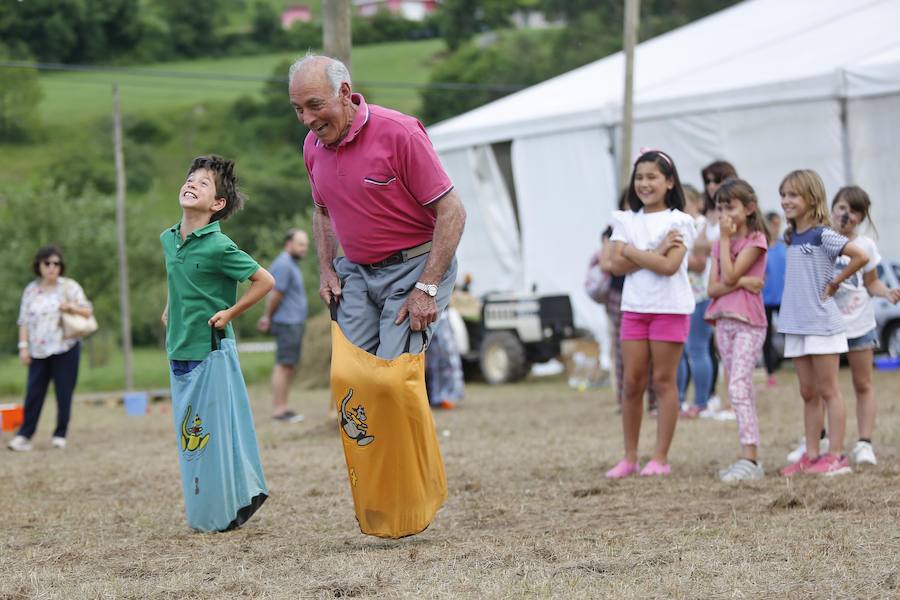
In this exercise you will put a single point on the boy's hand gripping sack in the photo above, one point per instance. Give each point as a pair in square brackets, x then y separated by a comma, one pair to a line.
[221, 474]
[390, 444]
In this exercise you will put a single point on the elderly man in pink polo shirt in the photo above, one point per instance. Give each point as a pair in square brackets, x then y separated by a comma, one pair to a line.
[381, 192]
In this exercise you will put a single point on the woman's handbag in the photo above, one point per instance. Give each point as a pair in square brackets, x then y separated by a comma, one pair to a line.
[76, 326]
[390, 444]
[221, 474]
[597, 281]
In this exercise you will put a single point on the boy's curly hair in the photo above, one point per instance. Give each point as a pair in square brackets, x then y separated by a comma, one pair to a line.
[226, 183]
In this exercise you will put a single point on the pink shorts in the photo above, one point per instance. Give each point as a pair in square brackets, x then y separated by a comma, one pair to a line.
[655, 327]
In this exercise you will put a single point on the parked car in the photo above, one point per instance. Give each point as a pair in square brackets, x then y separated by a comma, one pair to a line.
[887, 315]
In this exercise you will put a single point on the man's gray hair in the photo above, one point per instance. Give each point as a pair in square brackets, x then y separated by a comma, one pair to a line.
[336, 71]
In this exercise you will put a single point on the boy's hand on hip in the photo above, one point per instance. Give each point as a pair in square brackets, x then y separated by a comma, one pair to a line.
[220, 319]
[421, 309]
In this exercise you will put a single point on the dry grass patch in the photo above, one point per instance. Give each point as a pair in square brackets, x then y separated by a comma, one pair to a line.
[529, 513]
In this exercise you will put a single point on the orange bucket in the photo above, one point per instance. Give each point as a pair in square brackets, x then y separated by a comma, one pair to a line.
[11, 416]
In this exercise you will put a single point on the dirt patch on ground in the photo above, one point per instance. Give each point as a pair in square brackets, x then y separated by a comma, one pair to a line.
[529, 513]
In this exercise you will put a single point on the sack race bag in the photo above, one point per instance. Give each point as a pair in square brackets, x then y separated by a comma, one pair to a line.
[221, 474]
[597, 281]
[390, 444]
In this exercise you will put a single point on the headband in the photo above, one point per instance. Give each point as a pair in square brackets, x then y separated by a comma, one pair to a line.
[661, 154]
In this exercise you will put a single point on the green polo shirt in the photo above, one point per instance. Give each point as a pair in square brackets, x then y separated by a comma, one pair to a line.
[203, 272]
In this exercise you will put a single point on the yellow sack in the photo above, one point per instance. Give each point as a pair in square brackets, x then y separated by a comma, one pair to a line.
[390, 444]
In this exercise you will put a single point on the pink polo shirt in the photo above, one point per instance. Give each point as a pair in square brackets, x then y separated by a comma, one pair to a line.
[377, 183]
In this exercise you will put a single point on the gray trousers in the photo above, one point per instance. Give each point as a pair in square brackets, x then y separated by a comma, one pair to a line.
[371, 299]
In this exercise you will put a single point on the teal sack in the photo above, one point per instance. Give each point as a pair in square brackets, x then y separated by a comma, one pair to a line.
[221, 474]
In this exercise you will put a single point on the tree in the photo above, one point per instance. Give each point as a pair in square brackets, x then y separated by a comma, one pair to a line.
[20, 96]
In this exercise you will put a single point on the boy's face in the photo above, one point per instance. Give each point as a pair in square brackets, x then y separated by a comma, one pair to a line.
[198, 194]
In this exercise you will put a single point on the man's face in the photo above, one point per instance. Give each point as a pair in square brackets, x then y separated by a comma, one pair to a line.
[326, 114]
[298, 245]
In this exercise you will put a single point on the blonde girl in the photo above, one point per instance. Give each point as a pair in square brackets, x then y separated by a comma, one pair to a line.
[810, 318]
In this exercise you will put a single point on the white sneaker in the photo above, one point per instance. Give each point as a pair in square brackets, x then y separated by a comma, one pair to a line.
[58, 442]
[714, 403]
[19, 443]
[742, 470]
[863, 454]
[795, 454]
[725, 415]
[707, 413]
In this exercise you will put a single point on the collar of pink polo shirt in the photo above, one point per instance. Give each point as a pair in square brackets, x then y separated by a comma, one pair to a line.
[359, 120]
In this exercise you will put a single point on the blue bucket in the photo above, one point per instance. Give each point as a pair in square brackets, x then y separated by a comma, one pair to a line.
[888, 363]
[136, 404]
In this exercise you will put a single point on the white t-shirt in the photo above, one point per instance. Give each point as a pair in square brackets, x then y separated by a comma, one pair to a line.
[646, 291]
[700, 281]
[852, 297]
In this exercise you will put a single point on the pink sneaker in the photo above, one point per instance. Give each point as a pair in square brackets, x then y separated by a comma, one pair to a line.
[771, 382]
[623, 469]
[830, 464]
[654, 468]
[801, 466]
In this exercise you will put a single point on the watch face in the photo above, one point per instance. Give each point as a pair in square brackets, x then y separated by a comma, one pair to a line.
[432, 290]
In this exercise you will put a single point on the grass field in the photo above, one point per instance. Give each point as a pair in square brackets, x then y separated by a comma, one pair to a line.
[79, 96]
[529, 514]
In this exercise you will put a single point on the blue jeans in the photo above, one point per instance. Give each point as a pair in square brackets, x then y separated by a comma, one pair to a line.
[695, 361]
[183, 367]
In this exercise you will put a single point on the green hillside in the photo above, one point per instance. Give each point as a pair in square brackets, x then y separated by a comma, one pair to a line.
[86, 95]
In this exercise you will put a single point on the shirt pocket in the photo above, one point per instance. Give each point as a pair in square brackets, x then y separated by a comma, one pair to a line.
[379, 181]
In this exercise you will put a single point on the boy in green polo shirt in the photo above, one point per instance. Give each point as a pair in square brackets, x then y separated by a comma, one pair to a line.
[204, 265]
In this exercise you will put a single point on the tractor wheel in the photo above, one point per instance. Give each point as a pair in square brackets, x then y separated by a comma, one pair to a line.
[503, 358]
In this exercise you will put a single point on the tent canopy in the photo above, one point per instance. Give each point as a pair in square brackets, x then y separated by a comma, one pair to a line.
[769, 85]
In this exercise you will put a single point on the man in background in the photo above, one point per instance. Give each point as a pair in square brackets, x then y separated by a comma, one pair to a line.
[285, 317]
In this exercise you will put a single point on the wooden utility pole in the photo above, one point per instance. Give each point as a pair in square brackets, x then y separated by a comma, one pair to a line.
[124, 304]
[337, 39]
[630, 35]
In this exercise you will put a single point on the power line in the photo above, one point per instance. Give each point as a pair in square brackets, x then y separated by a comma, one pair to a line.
[447, 86]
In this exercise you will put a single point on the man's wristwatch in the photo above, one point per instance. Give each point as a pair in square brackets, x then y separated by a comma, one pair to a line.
[428, 288]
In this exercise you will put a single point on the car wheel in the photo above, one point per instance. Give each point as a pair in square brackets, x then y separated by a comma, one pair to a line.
[502, 358]
[892, 339]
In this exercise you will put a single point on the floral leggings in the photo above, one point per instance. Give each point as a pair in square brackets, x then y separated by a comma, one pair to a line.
[739, 346]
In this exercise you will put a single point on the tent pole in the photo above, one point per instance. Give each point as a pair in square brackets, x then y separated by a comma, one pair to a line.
[845, 142]
[630, 34]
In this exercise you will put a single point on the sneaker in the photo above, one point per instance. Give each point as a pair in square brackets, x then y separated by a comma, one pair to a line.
[19, 443]
[795, 454]
[654, 468]
[863, 454]
[798, 467]
[725, 415]
[289, 416]
[830, 464]
[58, 442]
[447, 404]
[623, 469]
[707, 413]
[771, 382]
[714, 403]
[742, 470]
[690, 413]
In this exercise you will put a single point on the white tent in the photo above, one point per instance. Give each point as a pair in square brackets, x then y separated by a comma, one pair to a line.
[769, 85]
